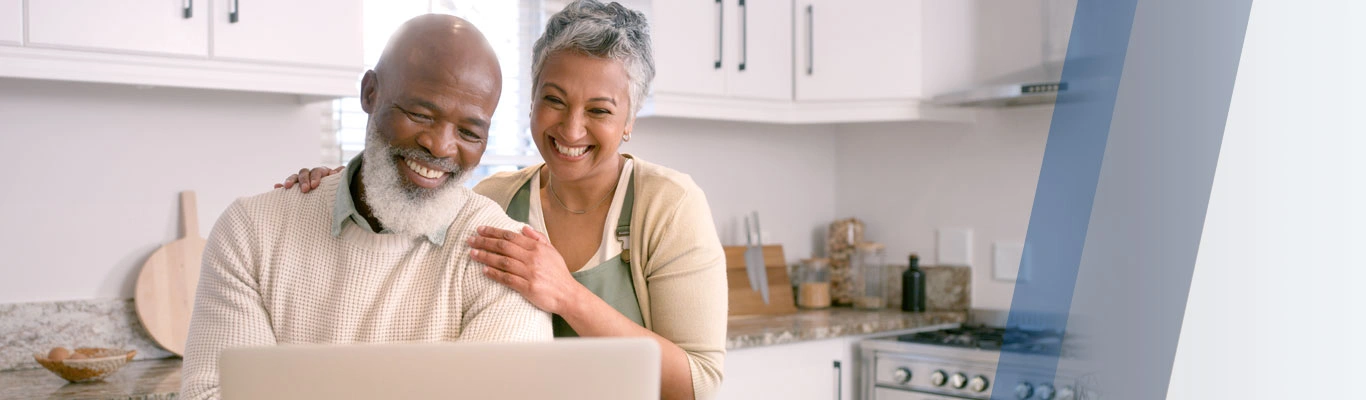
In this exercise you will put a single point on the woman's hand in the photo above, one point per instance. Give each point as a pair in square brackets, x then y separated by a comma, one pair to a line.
[310, 178]
[527, 263]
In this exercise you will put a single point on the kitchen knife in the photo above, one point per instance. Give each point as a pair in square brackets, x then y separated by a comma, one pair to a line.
[751, 267]
[763, 269]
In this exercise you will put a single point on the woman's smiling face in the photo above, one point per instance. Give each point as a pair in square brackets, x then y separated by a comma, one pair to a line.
[579, 114]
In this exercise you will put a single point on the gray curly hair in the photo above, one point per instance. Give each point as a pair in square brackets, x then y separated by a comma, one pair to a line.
[609, 31]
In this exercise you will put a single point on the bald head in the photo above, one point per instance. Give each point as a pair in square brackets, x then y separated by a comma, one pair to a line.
[431, 98]
[440, 61]
[439, 42]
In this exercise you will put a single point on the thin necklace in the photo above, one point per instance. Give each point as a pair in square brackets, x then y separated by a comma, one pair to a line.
[584, 211]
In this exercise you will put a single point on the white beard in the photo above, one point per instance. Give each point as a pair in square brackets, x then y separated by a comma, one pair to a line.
[404, 208]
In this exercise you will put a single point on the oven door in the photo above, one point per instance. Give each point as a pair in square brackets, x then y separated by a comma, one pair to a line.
[882, 393]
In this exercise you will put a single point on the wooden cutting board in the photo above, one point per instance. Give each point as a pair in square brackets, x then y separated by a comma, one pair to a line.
[746, 301]
[165, 290]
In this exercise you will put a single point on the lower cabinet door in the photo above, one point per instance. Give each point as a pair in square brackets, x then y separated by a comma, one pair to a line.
[796, 371]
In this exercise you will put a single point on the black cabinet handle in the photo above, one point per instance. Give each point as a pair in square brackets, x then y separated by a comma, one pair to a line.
[187, 9]
[810, 39]
[720, 30]
[232, 12]
[839, 383]
[744, 35]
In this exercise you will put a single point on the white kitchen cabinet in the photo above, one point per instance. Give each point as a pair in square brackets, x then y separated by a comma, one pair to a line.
[161, 27]
[686, 38]
[11, 21]
[302, 32]
[798, 371]
[761, 50]
[309, 48]
[723, 48]
[805, 61]
[859, 49]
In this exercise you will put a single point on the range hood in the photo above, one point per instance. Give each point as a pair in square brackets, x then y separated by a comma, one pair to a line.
[1036, 85]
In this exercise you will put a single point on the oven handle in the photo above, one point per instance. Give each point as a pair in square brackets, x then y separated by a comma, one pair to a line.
[839, 373]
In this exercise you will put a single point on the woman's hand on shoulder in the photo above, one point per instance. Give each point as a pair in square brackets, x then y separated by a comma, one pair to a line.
[307, 179]
[526, 262]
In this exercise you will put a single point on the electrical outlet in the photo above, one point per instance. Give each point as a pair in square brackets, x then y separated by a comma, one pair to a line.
[1008, 263]
[954, 247]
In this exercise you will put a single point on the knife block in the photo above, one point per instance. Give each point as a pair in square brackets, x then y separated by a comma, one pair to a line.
[746, 301]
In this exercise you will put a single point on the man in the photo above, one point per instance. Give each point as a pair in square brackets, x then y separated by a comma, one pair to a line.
[377, 254]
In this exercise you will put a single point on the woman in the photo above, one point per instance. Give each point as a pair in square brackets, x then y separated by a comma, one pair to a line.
[630, 248]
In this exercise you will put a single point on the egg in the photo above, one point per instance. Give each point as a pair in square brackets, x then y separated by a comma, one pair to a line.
[58, 354]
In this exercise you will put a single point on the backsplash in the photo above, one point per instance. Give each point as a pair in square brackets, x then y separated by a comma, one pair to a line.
[26, 328]
[946, 288]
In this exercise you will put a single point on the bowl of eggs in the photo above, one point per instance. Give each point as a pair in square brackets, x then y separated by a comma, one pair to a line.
[84, 364]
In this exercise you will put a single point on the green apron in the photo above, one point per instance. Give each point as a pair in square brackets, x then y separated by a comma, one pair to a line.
[610, 280]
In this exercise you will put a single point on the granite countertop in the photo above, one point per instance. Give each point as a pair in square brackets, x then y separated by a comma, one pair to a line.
[139, 380]
[768, 330]
[160, 379]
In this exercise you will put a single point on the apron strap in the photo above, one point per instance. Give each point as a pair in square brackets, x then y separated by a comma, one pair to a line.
[519, 208]
[624, 223]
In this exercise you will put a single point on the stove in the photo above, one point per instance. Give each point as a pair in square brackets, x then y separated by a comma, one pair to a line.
[961, 363]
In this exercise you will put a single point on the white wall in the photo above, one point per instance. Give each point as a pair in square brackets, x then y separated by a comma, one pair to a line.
[787, 173]
[906, 180]
[1286, 222]
[93, 172]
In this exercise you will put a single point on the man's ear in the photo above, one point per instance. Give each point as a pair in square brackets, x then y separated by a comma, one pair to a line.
[369, 91]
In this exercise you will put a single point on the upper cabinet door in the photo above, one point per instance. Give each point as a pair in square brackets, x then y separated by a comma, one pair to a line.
[161, 26]
[11, 21]
[300, 32]
[688, 50]
[858, 49]
[759, 49]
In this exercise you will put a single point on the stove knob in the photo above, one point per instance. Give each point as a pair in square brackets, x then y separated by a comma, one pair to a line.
[978, 384]
[958, 380]
[901, 375]
[1045, 391]
[938, 378]
[1066, 393]
[1024, 390]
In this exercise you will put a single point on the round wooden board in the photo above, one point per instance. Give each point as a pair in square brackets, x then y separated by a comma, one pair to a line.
[165, 290]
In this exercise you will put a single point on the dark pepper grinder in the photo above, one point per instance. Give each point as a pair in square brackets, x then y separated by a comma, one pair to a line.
[913, 286]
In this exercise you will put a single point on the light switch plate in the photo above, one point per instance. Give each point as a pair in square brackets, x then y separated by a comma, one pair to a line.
[955, 247]
[1008, 262]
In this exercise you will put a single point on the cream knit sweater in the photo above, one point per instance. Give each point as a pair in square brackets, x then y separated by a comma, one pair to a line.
[273, 273]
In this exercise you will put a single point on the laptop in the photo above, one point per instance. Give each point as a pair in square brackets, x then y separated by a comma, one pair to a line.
[577, 368]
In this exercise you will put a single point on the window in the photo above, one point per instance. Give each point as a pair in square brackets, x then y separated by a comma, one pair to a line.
[511, 26]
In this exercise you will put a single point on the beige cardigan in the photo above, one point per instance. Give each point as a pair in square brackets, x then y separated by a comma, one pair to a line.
[680, 276]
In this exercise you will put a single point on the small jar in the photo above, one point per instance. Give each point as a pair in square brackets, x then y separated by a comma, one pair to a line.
[813, 283]
[870, 276]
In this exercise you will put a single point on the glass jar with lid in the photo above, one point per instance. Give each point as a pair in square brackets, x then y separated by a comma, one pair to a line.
[813, 283]
[869, 267]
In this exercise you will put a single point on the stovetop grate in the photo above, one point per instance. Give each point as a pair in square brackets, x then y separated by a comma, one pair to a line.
[990, 338]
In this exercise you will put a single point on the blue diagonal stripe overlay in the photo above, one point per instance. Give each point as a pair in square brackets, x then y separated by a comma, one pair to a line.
[1122, 194]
